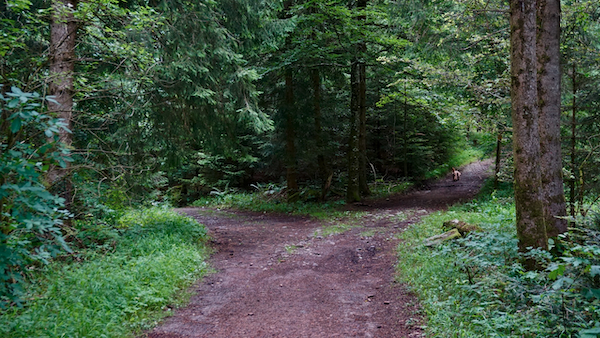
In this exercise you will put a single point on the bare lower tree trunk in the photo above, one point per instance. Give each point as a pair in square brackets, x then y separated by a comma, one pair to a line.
[353, 189]
[362, 130]
[573, 142]
[290, 126]
[323, 171]
[357, 179]
[63, 35]
[531, 229]
[405, 135]
[290, 138]
[548, 84]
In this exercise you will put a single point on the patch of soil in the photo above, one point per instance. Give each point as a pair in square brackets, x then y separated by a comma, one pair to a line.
[278, 277]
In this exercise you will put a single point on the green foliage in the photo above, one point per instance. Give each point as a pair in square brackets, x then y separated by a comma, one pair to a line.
[23, 43]
[91, 236]
[382, 188]
[581, 94]
[484, 142]
[203, 90]
[117, 163]
[268, 198]
[459, 157]
[30, 216]
[340, 222]
[423, 120]
[204, 174]
[476, 286]
[119, 293]
[456, 69]
[152, 97]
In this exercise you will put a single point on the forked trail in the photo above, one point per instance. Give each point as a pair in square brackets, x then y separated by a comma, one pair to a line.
[278, 277]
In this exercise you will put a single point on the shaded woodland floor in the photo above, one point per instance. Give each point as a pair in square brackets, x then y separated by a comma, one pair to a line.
[276, 276]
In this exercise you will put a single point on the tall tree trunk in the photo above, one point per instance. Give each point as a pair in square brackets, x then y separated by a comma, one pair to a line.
[404, 134]
[290, 139]
[531, 229]
[362, 130]
[63, 35]
[323, 172]
[573, 142]
[357, 178]
[353, 189]
[289, 109]
[548, 85]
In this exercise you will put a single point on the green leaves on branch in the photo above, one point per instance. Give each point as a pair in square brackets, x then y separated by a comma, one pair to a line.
[30, 216]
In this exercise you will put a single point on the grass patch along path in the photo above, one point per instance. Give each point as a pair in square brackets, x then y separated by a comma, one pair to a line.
[119, 293]
[330, 284]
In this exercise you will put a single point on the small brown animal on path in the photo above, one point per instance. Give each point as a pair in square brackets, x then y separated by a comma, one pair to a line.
[455, 174]
[279, 276]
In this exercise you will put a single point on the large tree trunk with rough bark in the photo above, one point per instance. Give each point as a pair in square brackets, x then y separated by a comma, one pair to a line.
[548, 83]
[63, 35]
[531, 229]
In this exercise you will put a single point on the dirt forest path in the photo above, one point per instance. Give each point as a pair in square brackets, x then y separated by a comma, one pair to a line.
[277, 276]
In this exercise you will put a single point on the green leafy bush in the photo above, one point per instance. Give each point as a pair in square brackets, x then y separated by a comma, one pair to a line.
[30, 216]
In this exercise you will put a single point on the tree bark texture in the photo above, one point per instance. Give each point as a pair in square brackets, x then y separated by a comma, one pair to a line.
[323, 171]
[353, 189]
[289, 109]
[290, 138]
[573, 141]
[357, 158]
[63, 36]
[531, 229]
[548, 85]
[362, 130]
[362, 109]
[404, 134]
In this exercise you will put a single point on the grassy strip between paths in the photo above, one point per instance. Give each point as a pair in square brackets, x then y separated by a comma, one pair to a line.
[159, 254]
[475, 286]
